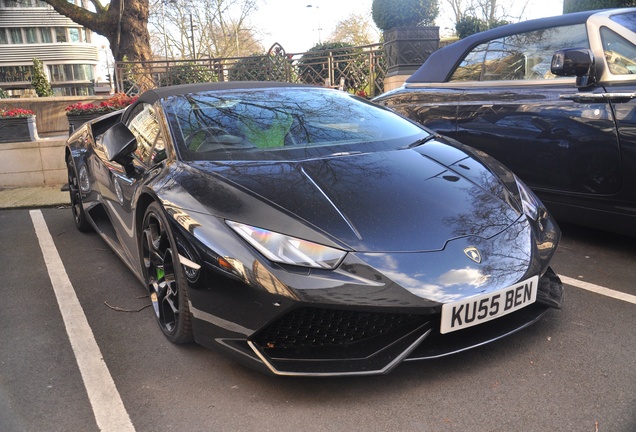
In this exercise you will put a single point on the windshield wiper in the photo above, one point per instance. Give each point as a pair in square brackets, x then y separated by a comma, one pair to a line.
[421, 141]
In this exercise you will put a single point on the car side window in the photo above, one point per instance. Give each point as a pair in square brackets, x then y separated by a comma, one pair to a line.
[620, 53]
[523, 56]
[150, 143]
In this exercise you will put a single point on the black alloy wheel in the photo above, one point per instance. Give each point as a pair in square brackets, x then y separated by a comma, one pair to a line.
[75, 192]
[164, 276]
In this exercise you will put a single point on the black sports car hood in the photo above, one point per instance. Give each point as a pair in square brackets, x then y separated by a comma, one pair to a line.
[394, 201]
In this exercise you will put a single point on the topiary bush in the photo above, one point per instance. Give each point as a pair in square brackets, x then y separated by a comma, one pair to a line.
[388, 14]
[40, 82]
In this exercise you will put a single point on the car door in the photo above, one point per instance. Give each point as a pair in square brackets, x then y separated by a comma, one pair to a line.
[514, 108]
[121, 183]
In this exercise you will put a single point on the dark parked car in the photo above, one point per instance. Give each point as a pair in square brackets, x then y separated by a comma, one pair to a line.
[308, 232]
[566, 126]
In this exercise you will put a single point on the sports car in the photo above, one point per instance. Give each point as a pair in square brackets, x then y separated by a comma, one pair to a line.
[305, 231]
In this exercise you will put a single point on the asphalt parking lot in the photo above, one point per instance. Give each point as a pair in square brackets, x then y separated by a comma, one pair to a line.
[575, 370]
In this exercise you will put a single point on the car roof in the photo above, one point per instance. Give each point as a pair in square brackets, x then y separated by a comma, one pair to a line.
[152, 96]
[440, 63]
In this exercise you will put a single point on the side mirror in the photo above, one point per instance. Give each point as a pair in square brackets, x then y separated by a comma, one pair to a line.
[119, 144]
[577, 62]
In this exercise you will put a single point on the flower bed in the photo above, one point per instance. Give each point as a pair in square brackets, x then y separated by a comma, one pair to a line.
[79, 113]
[17, 125]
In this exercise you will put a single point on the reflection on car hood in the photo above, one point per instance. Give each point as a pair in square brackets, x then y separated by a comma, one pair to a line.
[396, 201]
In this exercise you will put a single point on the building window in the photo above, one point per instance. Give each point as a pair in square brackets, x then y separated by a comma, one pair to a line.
[3, 36]
[74, 34]
[71, 72]
[10, 74]
[60, 34]
[16, 36]
[31, 35]
[45, 35]
[57, 73]
[11, 3]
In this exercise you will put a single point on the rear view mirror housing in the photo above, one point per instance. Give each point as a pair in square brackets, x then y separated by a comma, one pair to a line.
[578, 62]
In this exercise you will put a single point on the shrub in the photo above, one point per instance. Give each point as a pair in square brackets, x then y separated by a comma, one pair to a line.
[187, 73]
[260, 67]
[470, 25]
[388, 14]
[313, 68]
[40, 82]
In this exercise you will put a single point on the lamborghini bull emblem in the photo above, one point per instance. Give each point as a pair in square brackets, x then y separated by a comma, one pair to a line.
[473, 253]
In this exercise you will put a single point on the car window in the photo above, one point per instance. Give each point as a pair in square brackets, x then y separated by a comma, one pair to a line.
[521, 56]
[627, 20]
[150, 143]
[281, 123]
[620, 53]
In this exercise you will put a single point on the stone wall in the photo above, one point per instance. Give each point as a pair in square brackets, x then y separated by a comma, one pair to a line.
[30, 164]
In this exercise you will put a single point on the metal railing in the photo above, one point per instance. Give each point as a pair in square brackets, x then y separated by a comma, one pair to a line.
[359, 70]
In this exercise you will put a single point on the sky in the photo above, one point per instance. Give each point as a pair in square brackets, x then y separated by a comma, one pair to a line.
[295, 26]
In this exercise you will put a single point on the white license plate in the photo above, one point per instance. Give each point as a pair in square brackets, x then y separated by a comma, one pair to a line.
[480, 309]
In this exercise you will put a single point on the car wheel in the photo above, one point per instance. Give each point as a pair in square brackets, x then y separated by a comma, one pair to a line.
[164, 276]
[75, 192]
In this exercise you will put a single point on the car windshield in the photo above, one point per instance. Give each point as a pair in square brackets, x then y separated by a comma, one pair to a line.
[282, 124]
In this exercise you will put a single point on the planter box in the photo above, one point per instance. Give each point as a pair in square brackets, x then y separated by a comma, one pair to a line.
[75, 121]
[407, 48]
[18, 129]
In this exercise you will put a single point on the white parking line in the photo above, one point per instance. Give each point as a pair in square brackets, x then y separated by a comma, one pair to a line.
[109, 410]
[599, 289]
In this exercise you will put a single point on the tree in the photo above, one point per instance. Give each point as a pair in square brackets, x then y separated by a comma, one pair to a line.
[581, 5]
[212, 28]
[356, 29]
[472, 16]
[123, 22]
[388, 14]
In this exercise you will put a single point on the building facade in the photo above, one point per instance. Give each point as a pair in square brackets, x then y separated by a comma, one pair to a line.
[32, 29]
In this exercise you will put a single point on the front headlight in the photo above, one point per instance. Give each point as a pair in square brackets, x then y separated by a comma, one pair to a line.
[529, 202]
[289, 250]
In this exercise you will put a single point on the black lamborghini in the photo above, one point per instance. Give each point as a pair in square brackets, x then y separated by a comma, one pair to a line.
[306, 231]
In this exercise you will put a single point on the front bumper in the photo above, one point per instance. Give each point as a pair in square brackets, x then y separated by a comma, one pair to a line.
[310, 340]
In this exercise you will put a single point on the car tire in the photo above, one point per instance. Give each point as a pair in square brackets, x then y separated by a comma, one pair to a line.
[77, 206]
[164, 276]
